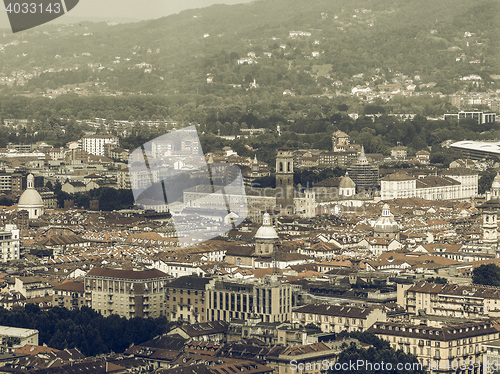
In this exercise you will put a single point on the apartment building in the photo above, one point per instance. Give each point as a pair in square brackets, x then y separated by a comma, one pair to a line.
[186, 299]
[465, 301]
[268, 298]
[337, 318]
[96, 144]
[129, 293]
[442, 349]
[9, 243]
[31, 287]
[69, 295]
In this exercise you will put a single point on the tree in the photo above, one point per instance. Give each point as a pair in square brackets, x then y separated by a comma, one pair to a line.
[488, 275]
[380, 351]
[439, 280]
[485, 182]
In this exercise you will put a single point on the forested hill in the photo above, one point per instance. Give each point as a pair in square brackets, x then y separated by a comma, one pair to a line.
[337, 43]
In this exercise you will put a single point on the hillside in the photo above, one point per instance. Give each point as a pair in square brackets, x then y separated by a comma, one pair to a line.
[336, 45]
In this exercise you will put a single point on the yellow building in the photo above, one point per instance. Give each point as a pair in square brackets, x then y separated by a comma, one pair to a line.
[128, 293]
[441, 349]
[337, 318]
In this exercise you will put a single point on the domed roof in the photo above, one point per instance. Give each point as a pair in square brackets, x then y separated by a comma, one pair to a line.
[496, 181]
[30, 198]
[386, 223]
[266, 231]
[346, 182]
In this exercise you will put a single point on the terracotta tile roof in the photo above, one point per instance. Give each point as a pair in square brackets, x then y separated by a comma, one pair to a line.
[335, 310]
[484, 292]
[126, 274]
[206, 328]
[446, 333]
[70, 286]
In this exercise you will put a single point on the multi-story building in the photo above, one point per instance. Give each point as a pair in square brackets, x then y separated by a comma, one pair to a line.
[31, 287]
[337, 318]
[399, 152]
[340, 141]
[442, 349]
[491, 357]
[11, 183]
[451, 185]
[269, 298]
[5, 183]
[397, 186]
[435, 187]
[186, 299]
[363, 173]
[9, 243]
[123, 179]
[465, 301]
[468, 178]
[69, 295]
[16, 183]
[129, 293]
[95, 144]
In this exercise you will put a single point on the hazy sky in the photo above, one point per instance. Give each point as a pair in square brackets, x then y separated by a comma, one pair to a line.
[128, 9]
[140, 9]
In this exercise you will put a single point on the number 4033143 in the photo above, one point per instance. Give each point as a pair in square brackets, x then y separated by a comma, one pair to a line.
[33, 8]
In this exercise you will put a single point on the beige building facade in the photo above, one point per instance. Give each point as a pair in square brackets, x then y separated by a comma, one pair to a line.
[128, 293]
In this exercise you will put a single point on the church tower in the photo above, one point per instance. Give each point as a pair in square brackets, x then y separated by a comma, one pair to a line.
[284, 181]
[489, 213]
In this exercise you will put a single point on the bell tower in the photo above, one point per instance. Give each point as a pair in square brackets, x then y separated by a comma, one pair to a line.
[284, 181]
[489, 213]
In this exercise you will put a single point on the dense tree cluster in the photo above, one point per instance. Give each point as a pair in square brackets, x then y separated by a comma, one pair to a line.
[304, 122]
[439, 280]
[84, 329]
[109, 198]
[488, 275]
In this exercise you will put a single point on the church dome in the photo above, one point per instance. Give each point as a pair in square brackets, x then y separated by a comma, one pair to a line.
[346, 182]
[496, 181]
[30, 198]
[386, 223]
[266, 231]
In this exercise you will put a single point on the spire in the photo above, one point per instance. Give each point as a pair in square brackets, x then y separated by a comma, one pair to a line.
[362, 157]
[255, 159]
[210, 159]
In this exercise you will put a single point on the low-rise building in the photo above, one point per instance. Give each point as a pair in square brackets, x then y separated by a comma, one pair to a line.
[337, 318]
[12, 338]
